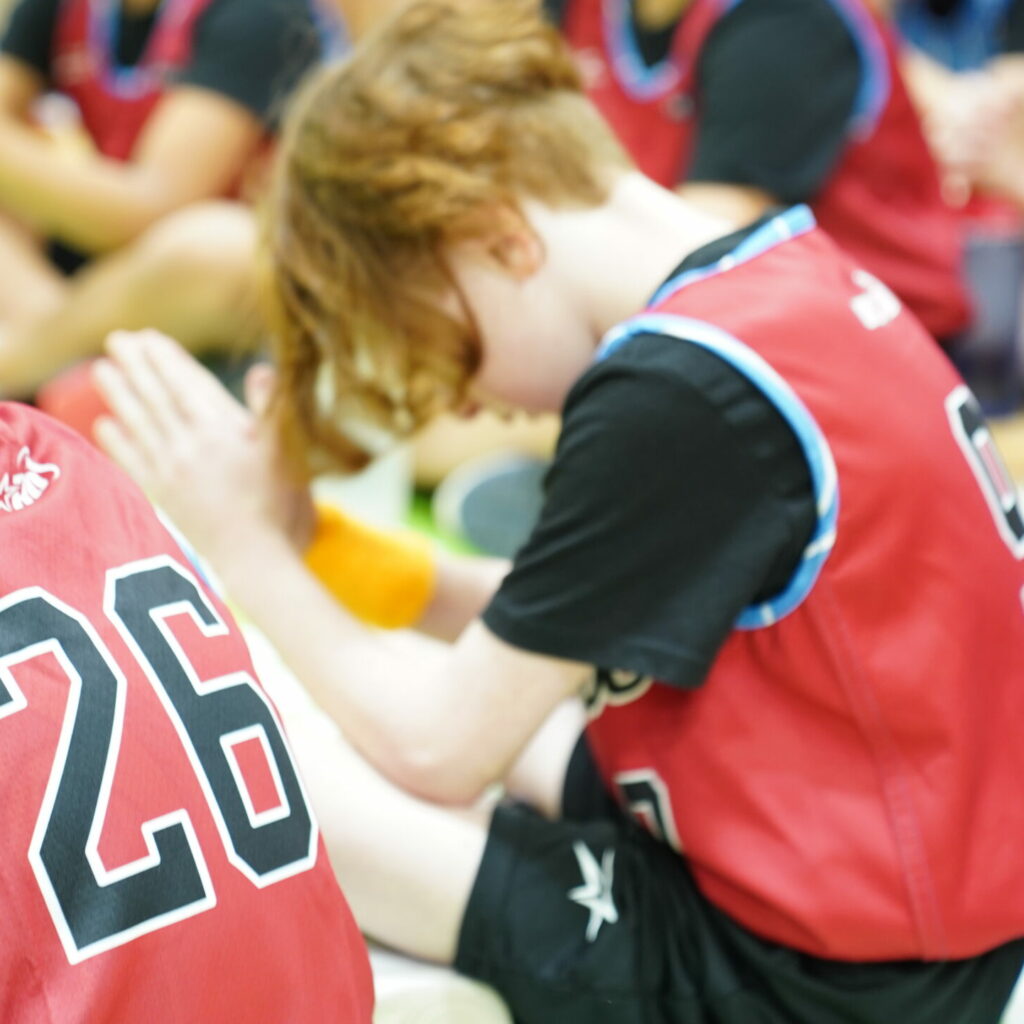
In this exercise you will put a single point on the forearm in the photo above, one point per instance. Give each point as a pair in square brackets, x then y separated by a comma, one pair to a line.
[1008, 71]
[367, 683]
[444, 721]
[29, 285]
[397, 579]
[94, 204]
[463, 587]
[1005, 180]
[1005, 171]
[929, 83]
[1001, 173]
[21, 85]
[393, 695]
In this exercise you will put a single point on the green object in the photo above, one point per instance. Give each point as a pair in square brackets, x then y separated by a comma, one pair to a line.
[421, 519]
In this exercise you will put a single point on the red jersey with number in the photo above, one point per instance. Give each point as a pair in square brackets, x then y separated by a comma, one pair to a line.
[846, 781]
[883, 200]
[161, 862]
[115, 102]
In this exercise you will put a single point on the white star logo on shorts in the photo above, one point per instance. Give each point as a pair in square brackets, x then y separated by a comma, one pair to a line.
[595, 894]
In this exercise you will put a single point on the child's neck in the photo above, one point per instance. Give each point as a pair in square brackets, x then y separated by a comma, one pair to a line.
[615, 256]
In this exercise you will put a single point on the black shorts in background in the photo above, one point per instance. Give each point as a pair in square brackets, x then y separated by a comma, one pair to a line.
[593, 921]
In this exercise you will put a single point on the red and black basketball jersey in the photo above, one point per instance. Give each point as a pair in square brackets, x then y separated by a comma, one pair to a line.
[160, 859]
[882, 202]
[844, 782]
[115, 101]
[648, 106]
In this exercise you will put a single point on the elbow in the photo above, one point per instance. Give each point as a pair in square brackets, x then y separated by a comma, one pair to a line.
[143, 203]
[126, 225]
[440, 776]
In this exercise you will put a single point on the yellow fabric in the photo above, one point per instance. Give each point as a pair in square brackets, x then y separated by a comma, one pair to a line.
[384, 579]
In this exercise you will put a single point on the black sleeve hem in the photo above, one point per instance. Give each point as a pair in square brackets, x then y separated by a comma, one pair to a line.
[634, 654]
[669, 508]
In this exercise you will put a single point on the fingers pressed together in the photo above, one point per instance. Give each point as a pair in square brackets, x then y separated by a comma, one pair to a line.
[163, 404]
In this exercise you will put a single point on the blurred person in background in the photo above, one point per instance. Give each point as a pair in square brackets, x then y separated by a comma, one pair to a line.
[758, 102]
[745, 105]
[964, 62]
[176, 100]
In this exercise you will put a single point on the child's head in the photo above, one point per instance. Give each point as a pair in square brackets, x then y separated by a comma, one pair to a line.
[450, 112]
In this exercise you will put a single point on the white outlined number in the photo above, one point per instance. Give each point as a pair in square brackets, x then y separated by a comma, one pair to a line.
[94, 907]
[998, 487]
[646, 796]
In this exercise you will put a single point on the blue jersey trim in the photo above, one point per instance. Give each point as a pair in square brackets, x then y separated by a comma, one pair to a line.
[820, 461]
[128, 82]
[797, 220]
[133, 82]
[641, 81]
[965, 39]
[876, 80]
[202, 570]
[330, 29]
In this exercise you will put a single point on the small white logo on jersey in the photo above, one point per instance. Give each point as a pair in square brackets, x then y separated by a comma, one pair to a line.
[27, 485]
[595, 894]
[613, 688]
[876, 305]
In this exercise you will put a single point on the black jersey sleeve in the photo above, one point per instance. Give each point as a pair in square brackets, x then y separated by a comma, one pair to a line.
[678, 495]
[1013, 35]
[29, 33]
[777, 83]
[254, 51]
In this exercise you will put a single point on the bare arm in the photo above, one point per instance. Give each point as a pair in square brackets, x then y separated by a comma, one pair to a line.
[388, 579]
[928, 81]
[194, 146]
[464, 585]
[28, 284]
[442, 721]
[20, 86]
[974, 123]
[1002, 172]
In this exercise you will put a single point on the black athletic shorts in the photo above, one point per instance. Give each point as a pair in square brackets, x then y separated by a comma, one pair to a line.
[590, 920]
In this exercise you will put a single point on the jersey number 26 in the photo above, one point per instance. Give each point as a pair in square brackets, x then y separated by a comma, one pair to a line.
[96, 907]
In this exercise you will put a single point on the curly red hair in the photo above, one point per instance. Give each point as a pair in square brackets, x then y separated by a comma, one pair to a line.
[445, 111]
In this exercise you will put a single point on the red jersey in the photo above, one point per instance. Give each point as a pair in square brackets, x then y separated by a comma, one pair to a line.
[883, 200]
[846, 780]
[116, 102]
[161, 860]
[649, 108]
